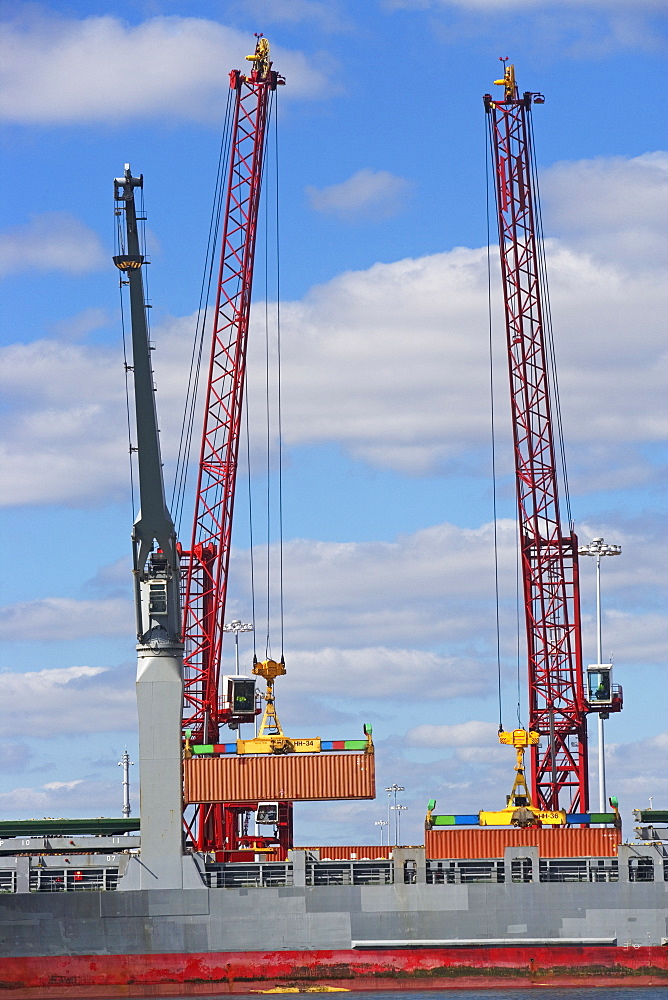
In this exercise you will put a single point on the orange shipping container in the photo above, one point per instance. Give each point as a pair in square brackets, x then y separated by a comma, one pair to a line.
[374, 853]
[490, 842]
[288, 778]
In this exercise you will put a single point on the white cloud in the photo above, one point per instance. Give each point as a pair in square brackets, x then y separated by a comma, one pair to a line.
[57, 786]
[53, 241]
[63, 441]
[54, 618]
[637, 770]
[435, 584]
[82, 323]
[67, 700]
[462, 734]
[575, 29]
[391, 364]
[368, 194]
[382, 673]
[81, 797]
[399, 353]
[626, 218]
[63, 71]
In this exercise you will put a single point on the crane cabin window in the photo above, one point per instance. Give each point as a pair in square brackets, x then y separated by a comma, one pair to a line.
[157, 601]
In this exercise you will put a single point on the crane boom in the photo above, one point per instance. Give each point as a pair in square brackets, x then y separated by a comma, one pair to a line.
[153, 523]
[157, 602]
[557, 705]
[205, 587]
[206, 574]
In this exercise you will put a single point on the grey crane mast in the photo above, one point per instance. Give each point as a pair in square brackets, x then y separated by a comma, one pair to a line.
[157, 602]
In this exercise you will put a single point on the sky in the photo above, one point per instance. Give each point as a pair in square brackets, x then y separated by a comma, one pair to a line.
[377, 177]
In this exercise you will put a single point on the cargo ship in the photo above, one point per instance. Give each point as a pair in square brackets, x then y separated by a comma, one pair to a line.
[189, 896]
[482, 906]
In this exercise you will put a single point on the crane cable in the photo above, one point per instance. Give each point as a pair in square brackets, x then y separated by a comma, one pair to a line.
[277, 401]
[190, 405]
[279, 390]
[250, 520]
[547, 317]
[492, 424]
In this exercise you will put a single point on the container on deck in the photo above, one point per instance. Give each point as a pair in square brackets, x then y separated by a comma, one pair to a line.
[289, 777]
[347, 853]
[552, 842]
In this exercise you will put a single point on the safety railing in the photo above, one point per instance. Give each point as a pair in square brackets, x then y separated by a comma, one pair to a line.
[465, 872]
[350, 873]
[7, 880]
[579, 870]
[243, 876]
[73, 880]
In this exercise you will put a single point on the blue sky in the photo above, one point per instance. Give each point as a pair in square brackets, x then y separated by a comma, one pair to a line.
[387, 493]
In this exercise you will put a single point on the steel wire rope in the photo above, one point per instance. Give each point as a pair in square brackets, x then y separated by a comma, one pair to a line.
[518, 625]
[248, 442]
[267, 402]
[488, 157]
[547, 314]
[250, 518]
[194, 374]
[279, 393]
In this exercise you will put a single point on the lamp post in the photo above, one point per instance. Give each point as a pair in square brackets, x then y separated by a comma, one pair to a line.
[390, 790]
[397, 823]
[126, 763]
[381, 823]
[237, 627]
[598, 548]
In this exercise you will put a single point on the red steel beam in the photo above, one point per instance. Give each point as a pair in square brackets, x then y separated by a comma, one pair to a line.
[207, 562]
[557, 706]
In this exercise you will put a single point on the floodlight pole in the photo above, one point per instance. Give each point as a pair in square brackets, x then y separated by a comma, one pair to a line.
[394, 788]
[397, 823]
[381, 823]
[125, 763]
[237, 627]
[598, 547]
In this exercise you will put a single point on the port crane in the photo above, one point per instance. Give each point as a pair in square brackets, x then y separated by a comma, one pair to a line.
[182, 703]
[156, 571]
[558, 705]
[206, 562]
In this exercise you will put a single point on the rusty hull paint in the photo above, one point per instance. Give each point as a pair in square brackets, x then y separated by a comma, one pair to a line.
[489, 842]
[289, 777]
[225, 972]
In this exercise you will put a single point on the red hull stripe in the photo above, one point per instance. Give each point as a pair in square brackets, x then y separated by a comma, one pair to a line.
[138, 975]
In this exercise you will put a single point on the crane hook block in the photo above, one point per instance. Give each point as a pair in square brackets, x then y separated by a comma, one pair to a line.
[128, 262]
[269, 669]
[520, 738]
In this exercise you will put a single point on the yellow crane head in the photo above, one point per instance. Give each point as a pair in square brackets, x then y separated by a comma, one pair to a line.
[260, 57]
[508, 82]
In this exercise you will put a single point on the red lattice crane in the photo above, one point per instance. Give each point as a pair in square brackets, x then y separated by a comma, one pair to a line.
[206, 564]
[557, 703]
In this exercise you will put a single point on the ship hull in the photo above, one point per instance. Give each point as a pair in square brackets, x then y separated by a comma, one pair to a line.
[222, 973]
[141, 943]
